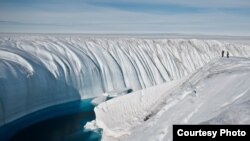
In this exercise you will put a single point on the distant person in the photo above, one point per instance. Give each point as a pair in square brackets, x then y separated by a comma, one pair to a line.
[222, 53]
[227, 54]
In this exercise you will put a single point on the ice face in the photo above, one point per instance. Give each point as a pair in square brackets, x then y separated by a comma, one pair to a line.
[39, 71]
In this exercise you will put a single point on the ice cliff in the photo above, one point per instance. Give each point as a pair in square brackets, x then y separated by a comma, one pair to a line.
[37, 71]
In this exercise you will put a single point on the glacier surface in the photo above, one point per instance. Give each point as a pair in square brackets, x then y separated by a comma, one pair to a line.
[37, 71]
[218, 93]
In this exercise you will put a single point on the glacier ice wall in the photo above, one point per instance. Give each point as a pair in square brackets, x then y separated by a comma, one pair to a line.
[39, 71]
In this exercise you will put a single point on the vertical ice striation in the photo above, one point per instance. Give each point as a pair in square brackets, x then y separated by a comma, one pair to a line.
[44, 70]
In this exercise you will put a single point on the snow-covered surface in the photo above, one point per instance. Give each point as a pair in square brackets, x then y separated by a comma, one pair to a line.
[91, 126]
[218, 93]
[125, 112]
[37, 71]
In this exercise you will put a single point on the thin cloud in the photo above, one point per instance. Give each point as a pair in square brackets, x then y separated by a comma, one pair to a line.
[189, 3]
[83, 16]
[174, 7]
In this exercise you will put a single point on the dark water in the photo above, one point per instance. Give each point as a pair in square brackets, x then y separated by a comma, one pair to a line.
[58, 123]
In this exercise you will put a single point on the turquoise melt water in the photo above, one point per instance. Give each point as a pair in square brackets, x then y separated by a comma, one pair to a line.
[62, 122]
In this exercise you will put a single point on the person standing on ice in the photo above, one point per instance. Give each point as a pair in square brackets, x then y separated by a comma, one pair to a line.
[222, 53]
[227, 54]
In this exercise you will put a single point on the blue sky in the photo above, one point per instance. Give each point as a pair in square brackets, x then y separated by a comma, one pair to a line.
[220, 17]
